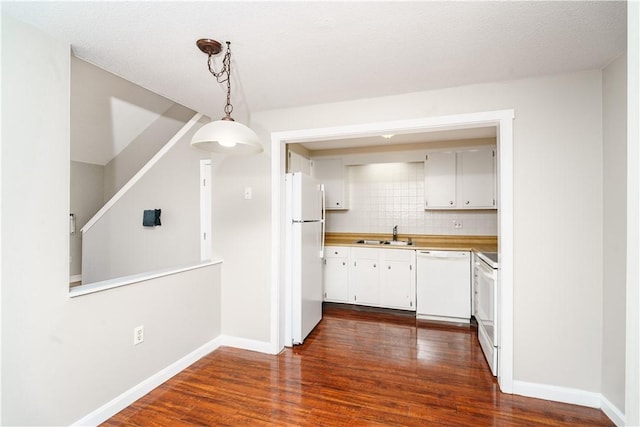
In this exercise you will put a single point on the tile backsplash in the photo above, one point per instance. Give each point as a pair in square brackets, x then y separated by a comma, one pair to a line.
[383, 195]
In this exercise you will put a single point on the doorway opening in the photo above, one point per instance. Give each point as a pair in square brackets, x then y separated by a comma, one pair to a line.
[503, 122]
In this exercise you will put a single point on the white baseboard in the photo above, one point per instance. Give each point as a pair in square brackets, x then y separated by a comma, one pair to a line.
[613, 412]
[247, 344]
[570, 395]
[111, 408]
[557, 394]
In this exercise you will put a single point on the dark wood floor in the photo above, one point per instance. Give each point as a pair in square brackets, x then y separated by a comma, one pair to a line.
[356, 368]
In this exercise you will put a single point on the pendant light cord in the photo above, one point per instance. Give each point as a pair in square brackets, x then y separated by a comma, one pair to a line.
[220, 78]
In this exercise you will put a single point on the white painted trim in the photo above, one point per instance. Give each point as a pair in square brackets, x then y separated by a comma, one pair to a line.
[557, 394]
[164, 150]
[75, 278]
[91, 288]
[504, 167]
[611, 411]
[111, 408]
[277, 262]
[632, 347]
[247, 344]
[502, 119]
[570, 395]
[205, 210]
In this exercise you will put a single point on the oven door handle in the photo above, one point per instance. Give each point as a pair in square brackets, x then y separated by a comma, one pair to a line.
[488, 273]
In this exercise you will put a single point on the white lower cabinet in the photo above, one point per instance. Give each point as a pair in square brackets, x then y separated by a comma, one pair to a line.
[336, 274]
[364, 276]
[374, 277]
[398, 281]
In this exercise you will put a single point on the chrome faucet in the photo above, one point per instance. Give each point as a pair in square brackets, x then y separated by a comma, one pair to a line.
[395, 233]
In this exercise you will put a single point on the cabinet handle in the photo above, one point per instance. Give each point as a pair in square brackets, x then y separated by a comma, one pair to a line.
[389, 267]
[335, 253]
[344, 263]
[374, 266]
[467, 202]
[451, 202]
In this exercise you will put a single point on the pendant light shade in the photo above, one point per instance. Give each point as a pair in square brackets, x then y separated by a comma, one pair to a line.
[227, 137]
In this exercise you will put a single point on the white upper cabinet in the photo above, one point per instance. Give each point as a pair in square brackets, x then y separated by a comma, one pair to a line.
[440, 180]
[298, 163]
[477, 178]
[331, 173]
[463, 179]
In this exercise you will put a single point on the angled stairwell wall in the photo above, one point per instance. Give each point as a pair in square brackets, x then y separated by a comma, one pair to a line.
[115, 244]
[139, 151]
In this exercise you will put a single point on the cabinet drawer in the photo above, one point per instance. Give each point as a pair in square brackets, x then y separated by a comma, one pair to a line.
[336, 252]
[366, 253]
[407, 255]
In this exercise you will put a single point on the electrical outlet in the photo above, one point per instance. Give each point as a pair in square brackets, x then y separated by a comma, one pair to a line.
[138, 335]
[457, 223]
[248, 193]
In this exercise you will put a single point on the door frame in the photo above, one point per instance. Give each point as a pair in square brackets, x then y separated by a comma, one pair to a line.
[205, 210]
[501, 119]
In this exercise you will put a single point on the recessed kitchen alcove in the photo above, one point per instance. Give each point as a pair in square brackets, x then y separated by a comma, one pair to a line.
[500, 120]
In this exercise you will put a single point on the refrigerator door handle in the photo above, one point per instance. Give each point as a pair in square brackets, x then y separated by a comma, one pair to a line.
[323, 221]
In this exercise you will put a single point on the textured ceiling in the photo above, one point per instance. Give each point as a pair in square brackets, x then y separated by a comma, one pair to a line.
[299, 53]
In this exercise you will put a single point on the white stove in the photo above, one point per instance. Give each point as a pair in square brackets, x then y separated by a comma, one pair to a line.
[485, 276]
[491, 258]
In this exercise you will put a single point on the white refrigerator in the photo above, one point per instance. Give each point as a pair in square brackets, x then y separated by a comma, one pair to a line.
[304, 235]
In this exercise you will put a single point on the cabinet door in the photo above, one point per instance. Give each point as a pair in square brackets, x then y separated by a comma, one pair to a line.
[364, 281]
[396, 287]
[298, 163]
[477, 178]
[331, 173]
[440, 180]
[336, 279]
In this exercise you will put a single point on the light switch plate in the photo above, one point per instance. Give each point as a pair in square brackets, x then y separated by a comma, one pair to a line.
[138, 335]
[248, 193]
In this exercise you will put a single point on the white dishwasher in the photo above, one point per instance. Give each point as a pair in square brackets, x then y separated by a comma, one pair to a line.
[443, 286]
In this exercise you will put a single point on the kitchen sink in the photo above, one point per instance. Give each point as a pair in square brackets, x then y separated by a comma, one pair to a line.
[398, 243]
[370, 242]
[384, 242]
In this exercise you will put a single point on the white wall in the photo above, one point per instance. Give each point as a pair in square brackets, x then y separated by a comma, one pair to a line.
[63, 358]
[242, 237]
[558, 210]
[118, 245]
[615, 228]
[86, 186]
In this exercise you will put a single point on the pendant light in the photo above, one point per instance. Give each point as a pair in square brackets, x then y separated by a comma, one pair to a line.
[224, 135]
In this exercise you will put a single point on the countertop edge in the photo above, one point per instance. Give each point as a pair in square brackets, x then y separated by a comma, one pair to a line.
[420, 241]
